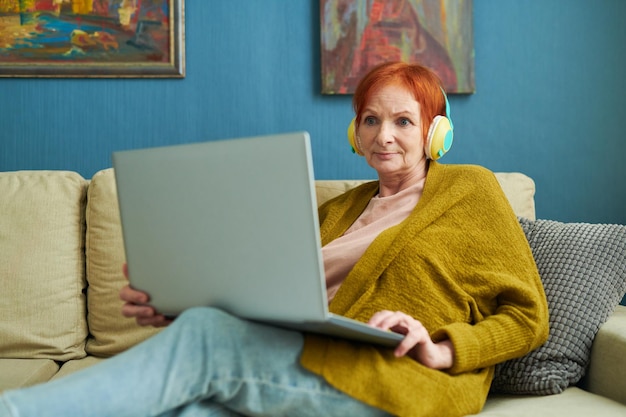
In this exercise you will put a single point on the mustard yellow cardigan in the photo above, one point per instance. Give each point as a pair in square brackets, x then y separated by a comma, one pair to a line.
[460, 264]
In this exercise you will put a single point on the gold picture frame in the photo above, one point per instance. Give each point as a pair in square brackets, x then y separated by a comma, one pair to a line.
[92, 38]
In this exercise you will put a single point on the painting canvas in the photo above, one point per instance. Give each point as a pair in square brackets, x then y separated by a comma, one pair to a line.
[91, 38]
[357, 35]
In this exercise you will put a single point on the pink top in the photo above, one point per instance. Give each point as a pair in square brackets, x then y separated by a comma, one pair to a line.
[381, 213]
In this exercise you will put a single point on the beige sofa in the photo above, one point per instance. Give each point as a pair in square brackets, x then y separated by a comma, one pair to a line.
[61, 254]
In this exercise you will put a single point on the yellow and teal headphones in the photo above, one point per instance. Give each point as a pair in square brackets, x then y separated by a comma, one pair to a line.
[438, 140]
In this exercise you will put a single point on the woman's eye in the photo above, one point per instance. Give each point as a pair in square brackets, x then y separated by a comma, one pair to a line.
[404, 122]
[369, 120]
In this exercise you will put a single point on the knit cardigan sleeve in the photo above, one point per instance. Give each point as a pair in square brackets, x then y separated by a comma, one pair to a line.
[487, 255]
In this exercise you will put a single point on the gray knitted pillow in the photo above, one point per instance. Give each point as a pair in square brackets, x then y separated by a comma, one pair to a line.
[583, 270]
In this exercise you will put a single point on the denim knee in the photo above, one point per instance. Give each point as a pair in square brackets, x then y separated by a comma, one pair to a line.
[197, 316]
[206, 323]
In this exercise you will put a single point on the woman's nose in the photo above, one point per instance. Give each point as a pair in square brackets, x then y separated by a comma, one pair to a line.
[385, 134]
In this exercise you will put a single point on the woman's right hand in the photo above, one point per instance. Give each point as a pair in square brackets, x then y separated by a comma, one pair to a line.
[136, 306]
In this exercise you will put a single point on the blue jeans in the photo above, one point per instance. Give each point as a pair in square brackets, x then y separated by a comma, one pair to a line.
[206, 363]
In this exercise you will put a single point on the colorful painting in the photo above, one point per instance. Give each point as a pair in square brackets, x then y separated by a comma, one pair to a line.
[357, 35]
[92, 38]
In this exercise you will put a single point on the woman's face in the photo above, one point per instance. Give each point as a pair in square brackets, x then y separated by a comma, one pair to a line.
[390, 133]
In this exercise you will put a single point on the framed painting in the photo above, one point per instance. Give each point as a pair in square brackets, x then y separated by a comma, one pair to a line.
[92, 38]
[357, 35]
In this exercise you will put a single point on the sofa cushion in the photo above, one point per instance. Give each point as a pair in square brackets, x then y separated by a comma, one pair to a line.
[573, 402]
[76, 365]
[20, 373]
[328, 189]
[518, 188]
[42, 265]
[110, 332]
[583, 270]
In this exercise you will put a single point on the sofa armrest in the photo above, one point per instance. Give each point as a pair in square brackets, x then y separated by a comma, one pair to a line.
[608, 359]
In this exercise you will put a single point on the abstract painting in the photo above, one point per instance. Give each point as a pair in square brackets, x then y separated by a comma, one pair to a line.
[357, 35]
[92, 38]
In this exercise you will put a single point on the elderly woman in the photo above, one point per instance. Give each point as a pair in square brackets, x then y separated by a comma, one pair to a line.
[430, 251]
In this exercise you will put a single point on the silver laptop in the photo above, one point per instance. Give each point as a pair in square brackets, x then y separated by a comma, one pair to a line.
[231, 224]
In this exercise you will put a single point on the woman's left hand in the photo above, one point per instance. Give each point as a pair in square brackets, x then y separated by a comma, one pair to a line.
[417, 343]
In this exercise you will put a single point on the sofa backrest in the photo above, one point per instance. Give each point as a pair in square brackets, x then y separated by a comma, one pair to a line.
[518, 188]
[42, 265]
[61, 257]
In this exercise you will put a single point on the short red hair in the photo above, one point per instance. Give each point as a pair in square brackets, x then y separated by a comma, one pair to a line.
[424, 84]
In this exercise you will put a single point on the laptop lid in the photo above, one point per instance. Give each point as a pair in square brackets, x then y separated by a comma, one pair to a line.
[231, 224]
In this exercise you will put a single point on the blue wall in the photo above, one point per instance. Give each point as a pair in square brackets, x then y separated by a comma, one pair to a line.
[550, 99]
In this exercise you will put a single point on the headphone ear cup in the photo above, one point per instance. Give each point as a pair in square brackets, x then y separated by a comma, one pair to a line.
[439, 138]
[352, 137]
